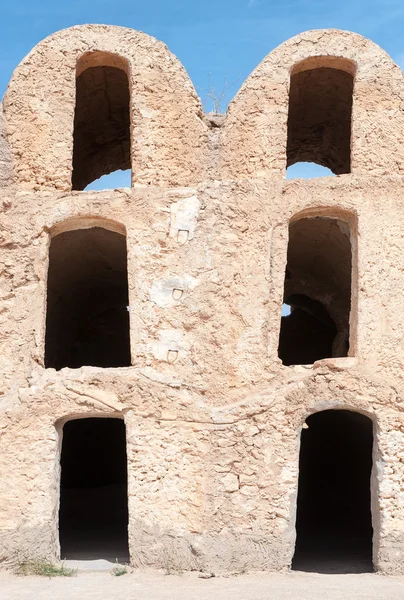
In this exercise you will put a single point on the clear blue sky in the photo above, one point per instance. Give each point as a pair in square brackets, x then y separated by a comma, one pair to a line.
[214, 39]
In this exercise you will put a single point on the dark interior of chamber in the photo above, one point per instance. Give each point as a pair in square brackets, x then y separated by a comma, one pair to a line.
[307, 334]
[87, 319]
[93, 516]
[334, 523]
[101, 138]
[319, 120]
[318, 290]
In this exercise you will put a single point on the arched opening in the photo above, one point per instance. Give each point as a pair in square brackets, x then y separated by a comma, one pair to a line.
[317, 290]
[101, 139]
[320, 109]
[93, 514]
[333, 520]
[87, 321]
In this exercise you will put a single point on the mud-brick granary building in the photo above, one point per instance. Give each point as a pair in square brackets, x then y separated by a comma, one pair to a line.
[155, 404]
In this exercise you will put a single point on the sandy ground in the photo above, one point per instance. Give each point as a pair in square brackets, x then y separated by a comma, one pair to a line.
[155, 586]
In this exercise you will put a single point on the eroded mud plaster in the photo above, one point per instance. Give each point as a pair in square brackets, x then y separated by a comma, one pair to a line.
[213, 419]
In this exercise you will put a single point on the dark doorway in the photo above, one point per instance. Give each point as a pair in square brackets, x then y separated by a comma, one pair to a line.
[334, 521]
[101, 139]
[87, 302]
[93, 517]
[320, 108]
[317, 290]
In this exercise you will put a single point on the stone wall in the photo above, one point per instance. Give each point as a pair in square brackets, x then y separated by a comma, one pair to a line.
[213, 418]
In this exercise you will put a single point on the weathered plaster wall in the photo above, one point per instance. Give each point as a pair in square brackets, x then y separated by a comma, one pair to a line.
[213, 437]
[5, 155]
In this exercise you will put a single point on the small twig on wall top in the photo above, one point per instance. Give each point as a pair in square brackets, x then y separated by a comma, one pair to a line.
[213, 97]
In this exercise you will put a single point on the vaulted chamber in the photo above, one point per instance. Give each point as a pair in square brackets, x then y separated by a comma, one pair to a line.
[101, 138]
[87, 321]
[334, 520]
[318, 291]
[93, 514]
[320, 113]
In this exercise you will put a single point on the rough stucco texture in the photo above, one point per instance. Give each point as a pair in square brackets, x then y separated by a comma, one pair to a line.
[213, 419]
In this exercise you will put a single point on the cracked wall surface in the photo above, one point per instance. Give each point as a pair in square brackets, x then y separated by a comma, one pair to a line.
[213, 419]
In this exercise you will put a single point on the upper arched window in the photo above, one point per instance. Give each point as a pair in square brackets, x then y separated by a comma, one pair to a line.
[102, 140]
[320, 108]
